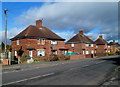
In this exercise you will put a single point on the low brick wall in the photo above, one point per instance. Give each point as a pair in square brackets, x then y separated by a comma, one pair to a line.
[72, 57]
[89, 56]
[101, 54]
[5, 62]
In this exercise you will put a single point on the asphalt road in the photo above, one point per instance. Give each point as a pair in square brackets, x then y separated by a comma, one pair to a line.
[74, 72]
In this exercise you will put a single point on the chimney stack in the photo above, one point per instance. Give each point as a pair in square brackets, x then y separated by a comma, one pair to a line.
[81, 32]
[114, 41]
[100, 36]
[39, 23]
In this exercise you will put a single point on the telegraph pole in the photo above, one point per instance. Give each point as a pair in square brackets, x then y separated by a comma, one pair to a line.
[6, 13]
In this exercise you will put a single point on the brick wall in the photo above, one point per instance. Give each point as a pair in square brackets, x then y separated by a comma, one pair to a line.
[89, 56]
[5, 62]
[72, 57]
[33, 43]
[78, 48]
[101, 50]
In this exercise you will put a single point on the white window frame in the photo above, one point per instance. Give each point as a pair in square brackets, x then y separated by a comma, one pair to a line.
[31, 53]
[92, 51]
[92, 45]
[87, 45]
[108, 46]
[53, 42]
[41, 50]
[39, 42]
[106, 51]
[55, 52]
[83, 52]
[72, 45]
[96, 46]
[63, 52]
[87, 52]
[18, 42]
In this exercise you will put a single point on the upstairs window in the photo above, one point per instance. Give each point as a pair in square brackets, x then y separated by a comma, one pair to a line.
[87, 45]
[41, 42]
[72, 45]
[53, 42]
[92, 45]
[18, 42]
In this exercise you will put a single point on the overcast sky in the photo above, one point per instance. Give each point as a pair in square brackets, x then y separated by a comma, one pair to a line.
[65, 18]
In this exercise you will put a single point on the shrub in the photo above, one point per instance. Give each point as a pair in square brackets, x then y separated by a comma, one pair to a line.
[20, 52]
[53, 57]
[117, 52]
[25, 55]
[22, 60]
[64, 57]
[110, 53]
[14, 62]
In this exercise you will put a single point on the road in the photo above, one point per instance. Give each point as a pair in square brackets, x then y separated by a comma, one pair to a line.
[90, 71]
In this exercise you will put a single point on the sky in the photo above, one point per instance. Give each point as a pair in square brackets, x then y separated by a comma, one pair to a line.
[63, 18]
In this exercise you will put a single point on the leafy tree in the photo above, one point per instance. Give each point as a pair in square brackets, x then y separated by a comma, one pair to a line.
[2, 47]
[8, 47]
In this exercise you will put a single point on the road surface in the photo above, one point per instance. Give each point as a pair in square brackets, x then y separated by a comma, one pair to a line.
[90, 71]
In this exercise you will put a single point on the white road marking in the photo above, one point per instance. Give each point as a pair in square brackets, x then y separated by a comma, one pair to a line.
[9, 72]
[86, 65]
[73, 68]
[100, 62]
[28, 79]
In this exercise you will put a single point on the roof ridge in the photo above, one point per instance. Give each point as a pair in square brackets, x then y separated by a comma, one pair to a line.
[83, 38]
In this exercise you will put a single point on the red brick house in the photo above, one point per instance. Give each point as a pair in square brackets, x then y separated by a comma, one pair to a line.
[81, 44]
[113, 47]
[101, 46]
[38, 41]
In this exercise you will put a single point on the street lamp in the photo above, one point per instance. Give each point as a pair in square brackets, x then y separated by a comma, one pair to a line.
[5, 12]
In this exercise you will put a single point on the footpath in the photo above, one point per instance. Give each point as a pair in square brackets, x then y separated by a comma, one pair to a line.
[113, 80]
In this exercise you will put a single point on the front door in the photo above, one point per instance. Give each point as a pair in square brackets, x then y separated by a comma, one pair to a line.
[31, 53]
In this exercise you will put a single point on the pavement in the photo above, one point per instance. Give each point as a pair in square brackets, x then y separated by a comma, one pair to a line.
[114, 78]
[90, 71]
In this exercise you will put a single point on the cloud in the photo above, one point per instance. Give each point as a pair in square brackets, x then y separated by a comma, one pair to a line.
[64, 16]
[66, 35]
[10, 34]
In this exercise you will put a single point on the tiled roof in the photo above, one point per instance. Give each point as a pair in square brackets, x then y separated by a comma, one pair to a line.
[80, 37]
[100, 40]
[113, 43]
[37, 32]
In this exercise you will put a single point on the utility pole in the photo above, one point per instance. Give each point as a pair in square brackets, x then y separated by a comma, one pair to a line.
[5, 12]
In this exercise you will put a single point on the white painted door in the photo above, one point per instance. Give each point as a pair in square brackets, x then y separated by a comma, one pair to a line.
[31, 53]
[15, 53]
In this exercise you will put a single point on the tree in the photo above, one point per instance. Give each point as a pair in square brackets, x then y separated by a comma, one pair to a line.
[2, 47]
[8, 47]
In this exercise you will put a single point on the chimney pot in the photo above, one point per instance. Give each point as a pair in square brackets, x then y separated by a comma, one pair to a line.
[39, 23]
[100, 36]
[114, 41]
[81, 32]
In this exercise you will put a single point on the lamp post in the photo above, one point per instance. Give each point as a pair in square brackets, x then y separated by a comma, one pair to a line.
[6, 12]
